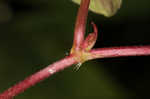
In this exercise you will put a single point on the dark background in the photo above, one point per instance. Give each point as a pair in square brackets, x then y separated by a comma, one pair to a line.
[35, 33]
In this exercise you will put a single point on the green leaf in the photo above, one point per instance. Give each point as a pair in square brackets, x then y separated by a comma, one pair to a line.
[105, 7]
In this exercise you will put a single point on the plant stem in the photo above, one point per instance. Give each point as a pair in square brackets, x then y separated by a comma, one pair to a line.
[66, 62]
[37, 77]
[80, 24]
[120, 51]
[69, 60]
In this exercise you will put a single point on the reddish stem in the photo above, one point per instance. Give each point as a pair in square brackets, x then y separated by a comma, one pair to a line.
[120, 51]
[37, 77]
[66, 62]
[80, 24]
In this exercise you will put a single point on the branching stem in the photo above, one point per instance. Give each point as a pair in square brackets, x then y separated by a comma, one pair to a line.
[80, 52]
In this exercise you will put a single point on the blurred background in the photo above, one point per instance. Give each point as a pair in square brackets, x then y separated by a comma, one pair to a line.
[35, 33]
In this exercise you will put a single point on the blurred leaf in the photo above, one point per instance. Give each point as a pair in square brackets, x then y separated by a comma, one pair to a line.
[106, 7]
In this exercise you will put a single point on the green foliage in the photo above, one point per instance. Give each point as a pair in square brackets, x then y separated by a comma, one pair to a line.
[105, 7]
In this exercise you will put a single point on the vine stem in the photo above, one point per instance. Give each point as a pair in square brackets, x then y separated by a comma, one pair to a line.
[37, 77]
[74, 56]
[69, 60]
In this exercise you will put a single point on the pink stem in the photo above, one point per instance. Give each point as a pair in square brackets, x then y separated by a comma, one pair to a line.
[66, 62]
[80, 24]
[37, 77]
[120, 51]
